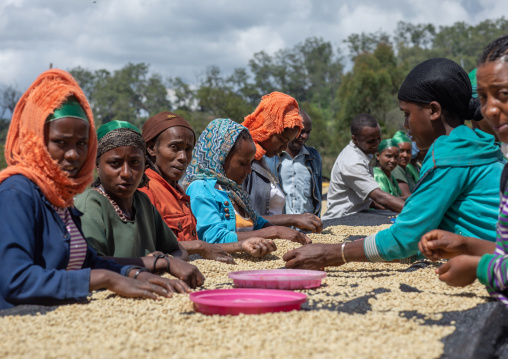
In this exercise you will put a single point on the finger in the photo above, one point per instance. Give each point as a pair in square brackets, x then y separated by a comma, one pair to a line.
[289, 255]
[271, 245]
[226, 259]
[443, 268]
[182, 287]
[164, 283]
[293, 263]
[160, 290]
[200, 278]
[307, 240]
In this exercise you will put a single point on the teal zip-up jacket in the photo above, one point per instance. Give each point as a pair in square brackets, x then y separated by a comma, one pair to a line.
[458, 191]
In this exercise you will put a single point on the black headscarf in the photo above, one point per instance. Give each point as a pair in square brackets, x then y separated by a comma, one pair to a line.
[445, 82]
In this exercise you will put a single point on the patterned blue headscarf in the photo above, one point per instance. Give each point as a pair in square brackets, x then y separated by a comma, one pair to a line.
[208, 159]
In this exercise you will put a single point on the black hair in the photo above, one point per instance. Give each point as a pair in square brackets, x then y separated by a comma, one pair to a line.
[361, 121]
[496, 50]
[242, 136]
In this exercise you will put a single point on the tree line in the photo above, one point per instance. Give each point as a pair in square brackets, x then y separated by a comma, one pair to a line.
[313, 71]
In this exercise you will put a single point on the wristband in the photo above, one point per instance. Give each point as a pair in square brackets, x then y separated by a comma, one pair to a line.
[141, 269]
[127, 272]
[157, 257]
[343, 256]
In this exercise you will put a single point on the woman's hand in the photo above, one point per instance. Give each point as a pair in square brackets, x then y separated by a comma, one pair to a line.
[439, 244]
[187, 272]
[257, 246]
[171, 285]
[308, 222]
[291, 235]
[213, 252]
[314, 256]
[124, 286]
[459, 271]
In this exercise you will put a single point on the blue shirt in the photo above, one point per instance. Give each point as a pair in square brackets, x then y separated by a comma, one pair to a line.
[296, 182]
[34, 250]
[214, 212]
[310, 189]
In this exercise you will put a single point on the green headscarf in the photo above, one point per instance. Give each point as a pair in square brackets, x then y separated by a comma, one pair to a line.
[472, 78]
[400, 137]
[385, 144]
[70, 108]
[114, 125]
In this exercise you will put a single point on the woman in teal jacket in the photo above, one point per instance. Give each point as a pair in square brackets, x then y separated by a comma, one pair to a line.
[458, 189]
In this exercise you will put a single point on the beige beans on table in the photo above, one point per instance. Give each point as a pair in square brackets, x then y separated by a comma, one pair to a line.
[110, 326]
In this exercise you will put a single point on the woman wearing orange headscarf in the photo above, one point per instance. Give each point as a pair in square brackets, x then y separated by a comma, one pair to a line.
[273, 124]
[50, 151]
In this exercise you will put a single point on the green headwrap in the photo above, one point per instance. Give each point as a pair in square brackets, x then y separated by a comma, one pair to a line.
[71, 108]
[400, 137]
[472, 78]
[115, 125]
[385, 144]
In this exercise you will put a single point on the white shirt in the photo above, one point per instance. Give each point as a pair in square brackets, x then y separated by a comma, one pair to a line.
[352, 180]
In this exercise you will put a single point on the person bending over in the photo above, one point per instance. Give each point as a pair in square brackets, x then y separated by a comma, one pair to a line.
[50, 152]
[170, 141]
[120, 222]
[220, 163]
[273, 124]
[299, 172]
[473, 258]
[352, 184]
[457, 191]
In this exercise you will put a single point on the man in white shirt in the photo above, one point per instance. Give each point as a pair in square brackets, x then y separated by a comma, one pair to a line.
[352, 185]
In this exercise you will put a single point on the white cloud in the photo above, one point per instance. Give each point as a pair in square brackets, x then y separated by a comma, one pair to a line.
[182, 38]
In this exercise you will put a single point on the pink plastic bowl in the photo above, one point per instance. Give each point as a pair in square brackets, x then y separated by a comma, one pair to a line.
[246, 301]
[278, 278]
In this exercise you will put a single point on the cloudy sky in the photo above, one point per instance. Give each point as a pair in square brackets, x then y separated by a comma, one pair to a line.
[182, 37]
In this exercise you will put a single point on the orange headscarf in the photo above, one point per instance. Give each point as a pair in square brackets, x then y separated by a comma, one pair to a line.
[276, 112]
[25, 150]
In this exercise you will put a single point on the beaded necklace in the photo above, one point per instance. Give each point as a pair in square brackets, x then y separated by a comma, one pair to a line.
[123, 216]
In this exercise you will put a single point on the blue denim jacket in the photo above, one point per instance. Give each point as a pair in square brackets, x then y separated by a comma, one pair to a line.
[214, 212]
[34, 250]
[313, 163]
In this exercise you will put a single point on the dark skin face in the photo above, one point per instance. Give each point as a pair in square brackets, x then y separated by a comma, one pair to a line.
[296, 145]
[492, 80]
[424, 122]
[388, 159]
[368, 140]
[405, 154]
[121, 171]
[238, 163]
[277, 143]
[172, 152]
[67, 143]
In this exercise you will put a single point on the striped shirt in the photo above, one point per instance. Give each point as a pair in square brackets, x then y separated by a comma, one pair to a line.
[78, 244]
[493, 268]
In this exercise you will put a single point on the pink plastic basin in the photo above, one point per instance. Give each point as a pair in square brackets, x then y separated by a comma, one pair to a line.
[246, 301]
[278, 278]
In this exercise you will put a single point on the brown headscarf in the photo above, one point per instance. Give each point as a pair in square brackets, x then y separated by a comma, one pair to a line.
[25, 150]
[161, 122]
[276, 112]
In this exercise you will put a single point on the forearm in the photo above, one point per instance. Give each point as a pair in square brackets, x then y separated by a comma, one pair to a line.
[100, 279]
[234, 247]
[479, 247]
[386, 200]
[268, 232]
[192, 247]
[286, 220]
[353, 252]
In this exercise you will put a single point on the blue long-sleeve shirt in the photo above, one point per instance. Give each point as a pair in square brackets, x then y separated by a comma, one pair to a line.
[34, 250]
[458, 192]
[214, 212]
